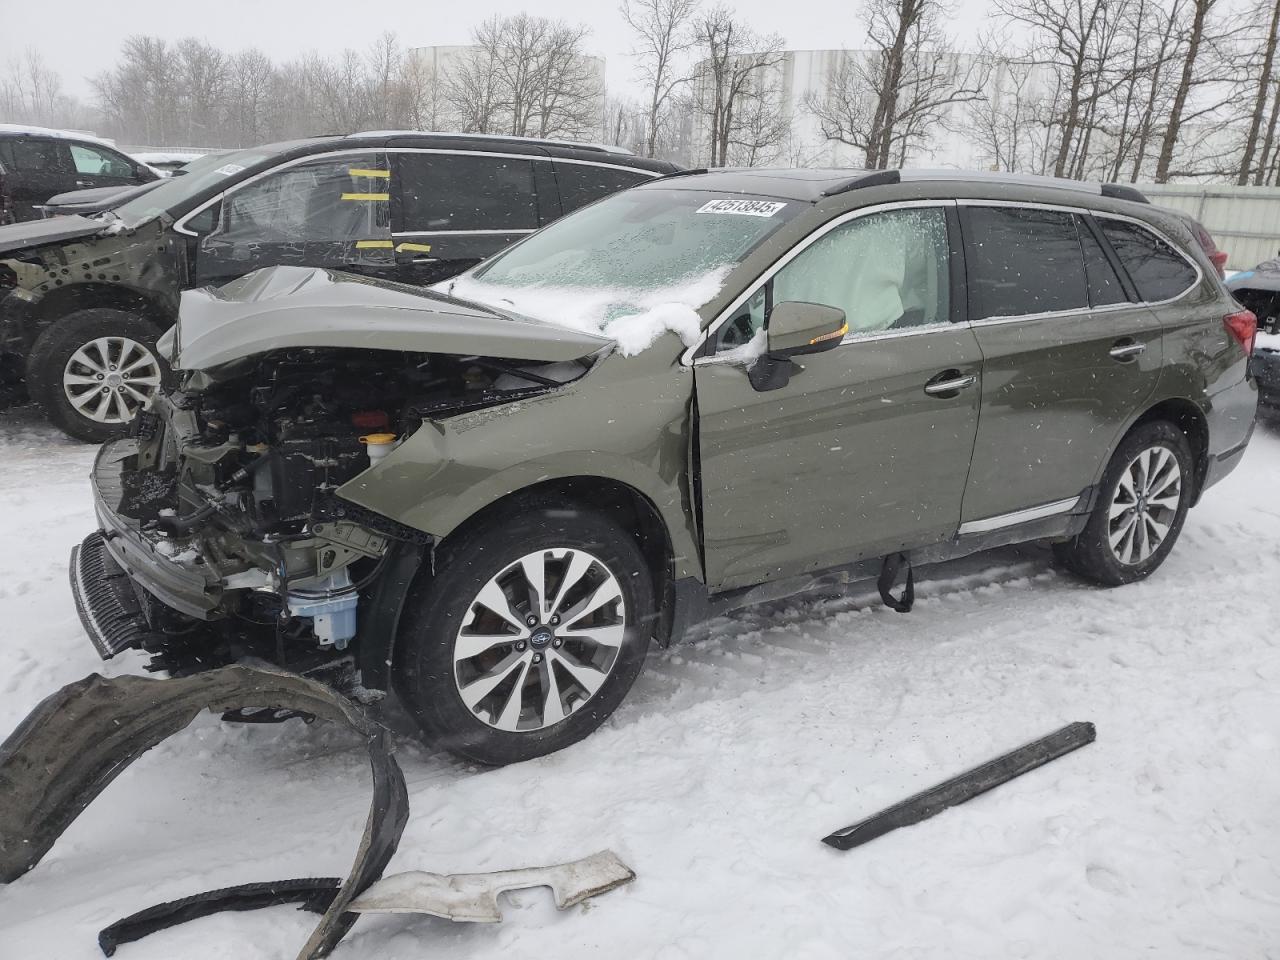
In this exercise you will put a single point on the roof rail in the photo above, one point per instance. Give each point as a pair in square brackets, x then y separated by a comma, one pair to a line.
[575, 144]
[1123, 191]
[681, 173]
[872, 178]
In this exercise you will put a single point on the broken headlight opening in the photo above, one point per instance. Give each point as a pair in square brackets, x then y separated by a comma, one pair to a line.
[222, 528]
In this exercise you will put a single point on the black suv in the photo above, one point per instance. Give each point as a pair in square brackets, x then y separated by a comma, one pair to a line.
[83, 299]
[36, 164]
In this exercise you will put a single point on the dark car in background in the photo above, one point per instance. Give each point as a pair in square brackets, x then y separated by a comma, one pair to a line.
[96, 199]
[38, 163]
[1259, 290]
[83, 299]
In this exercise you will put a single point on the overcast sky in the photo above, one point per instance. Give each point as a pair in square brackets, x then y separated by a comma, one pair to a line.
[80, 38]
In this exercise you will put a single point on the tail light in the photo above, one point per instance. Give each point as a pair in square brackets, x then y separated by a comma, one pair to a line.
[1217, 257]
[1242, 325]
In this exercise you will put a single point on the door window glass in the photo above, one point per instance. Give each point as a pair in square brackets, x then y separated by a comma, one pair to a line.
[445, 191]
[1022, 261]
[886, 271]
[581, 183]
[100, 163]
[1158, 271]
[332, 199]
[1104, 284]
[36, 156]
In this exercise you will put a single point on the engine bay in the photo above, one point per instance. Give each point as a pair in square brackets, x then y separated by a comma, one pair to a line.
[237, 474]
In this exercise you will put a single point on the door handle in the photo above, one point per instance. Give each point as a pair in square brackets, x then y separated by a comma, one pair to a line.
[1126, 350]
[949, 381]
[83, 183]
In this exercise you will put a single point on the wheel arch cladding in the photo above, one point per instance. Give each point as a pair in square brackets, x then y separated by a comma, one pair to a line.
[630, 509]
[1188, 418]
[70, 299]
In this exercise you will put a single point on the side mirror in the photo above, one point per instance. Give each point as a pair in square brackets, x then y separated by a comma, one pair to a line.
[795, 329]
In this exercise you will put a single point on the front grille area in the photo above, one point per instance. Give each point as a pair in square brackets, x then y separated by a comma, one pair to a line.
[105, 599]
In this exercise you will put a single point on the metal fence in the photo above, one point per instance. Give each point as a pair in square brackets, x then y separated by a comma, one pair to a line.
[1245, 221]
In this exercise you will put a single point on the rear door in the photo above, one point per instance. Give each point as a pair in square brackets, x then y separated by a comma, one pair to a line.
[452, 209]
[583, 182]
[330, 210]
[36, 169]
[1068, 359]
[866, 450]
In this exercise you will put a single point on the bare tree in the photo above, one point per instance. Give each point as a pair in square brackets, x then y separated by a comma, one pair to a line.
[732, 76]
[1265, 82]
[890, 99]
[525, 76]
[663, 29]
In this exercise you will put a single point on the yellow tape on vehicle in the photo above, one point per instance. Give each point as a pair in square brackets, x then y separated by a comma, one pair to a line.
[385, 174]
[414, 247]
[374, 244]
[366, 196]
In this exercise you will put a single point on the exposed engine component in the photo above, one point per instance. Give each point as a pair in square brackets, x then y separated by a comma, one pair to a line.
[238, 473]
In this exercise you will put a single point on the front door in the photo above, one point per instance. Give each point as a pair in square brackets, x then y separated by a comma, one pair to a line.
[330, 211]
[866, 450]
[97, 166]
[1069, 359]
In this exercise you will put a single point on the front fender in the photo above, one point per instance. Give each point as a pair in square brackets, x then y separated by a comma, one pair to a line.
[626, 421]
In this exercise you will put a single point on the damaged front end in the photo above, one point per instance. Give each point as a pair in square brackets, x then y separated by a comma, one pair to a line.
[223, 536]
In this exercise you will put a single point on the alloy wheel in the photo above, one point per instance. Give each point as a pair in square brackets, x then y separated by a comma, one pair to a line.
[539, 639]
[109, 379]
[1144, 505]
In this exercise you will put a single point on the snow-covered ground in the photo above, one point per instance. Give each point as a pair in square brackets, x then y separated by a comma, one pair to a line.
[729, 761]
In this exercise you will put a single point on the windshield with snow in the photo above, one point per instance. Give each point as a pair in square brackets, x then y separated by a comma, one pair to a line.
[630, 266]
[197, 176]
[641, 240]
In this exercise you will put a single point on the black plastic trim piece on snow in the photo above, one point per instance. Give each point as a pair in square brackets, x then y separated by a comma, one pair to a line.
[314, 895]
[966, 786]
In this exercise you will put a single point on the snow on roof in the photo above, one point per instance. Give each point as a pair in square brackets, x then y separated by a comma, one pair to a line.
[175, 156]
[34, 131]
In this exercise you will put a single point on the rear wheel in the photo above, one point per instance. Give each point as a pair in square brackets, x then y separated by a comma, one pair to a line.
[93, 370]
[528, 637]
[1141, 507]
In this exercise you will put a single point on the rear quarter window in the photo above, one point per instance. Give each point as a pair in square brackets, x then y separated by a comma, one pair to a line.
[1158, 271]
[582, 183]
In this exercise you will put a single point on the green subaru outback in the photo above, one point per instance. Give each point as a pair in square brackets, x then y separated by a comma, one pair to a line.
[705, 392]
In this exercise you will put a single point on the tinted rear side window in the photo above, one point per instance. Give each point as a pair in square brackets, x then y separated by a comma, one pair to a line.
[36, 156]
[1104, 285]
[443, 191]
[1022, 261]
[581, 184]
[1158, 271]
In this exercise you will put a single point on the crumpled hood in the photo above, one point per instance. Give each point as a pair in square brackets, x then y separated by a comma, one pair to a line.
[35, 233]
[281, 307]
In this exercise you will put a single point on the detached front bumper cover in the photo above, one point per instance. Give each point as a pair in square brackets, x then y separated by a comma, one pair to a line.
[79, 739]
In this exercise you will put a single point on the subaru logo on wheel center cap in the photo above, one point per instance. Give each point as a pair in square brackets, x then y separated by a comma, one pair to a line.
[541, 637]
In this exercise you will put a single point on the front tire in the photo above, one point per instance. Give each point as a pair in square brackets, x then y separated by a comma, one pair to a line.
[529, 635]
[93, 370]
[1142, 504]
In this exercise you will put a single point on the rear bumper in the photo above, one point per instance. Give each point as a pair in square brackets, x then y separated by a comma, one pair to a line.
[1231, 415]
[191, 588]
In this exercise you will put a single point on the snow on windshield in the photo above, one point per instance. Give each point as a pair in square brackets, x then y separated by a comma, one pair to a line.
[633, 319]
[630, 267]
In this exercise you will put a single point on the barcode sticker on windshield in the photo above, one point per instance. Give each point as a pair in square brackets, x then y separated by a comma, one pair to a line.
[746, 208]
